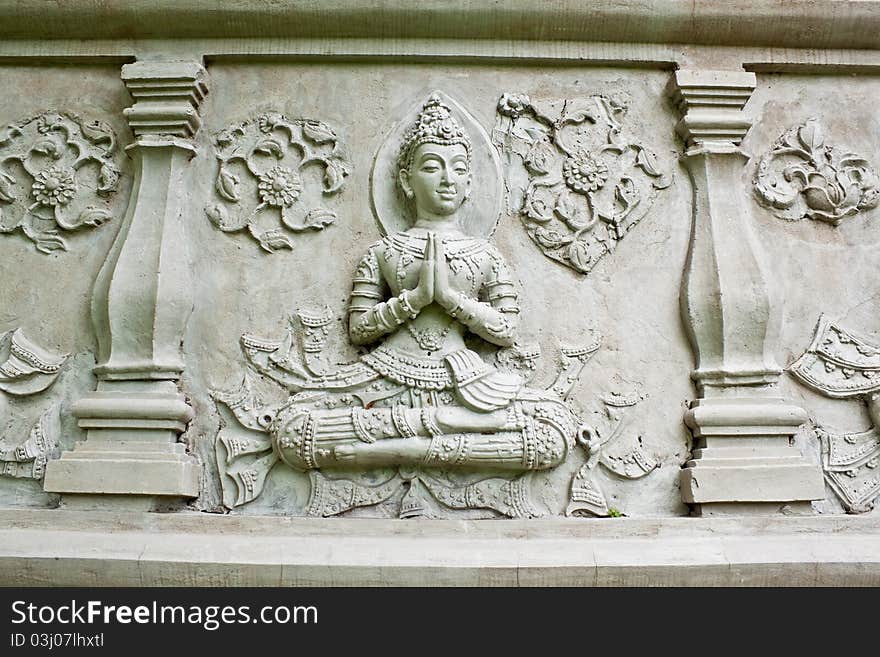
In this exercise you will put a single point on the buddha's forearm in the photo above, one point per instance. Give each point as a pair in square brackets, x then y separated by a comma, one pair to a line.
[497, 326]
[381, 319]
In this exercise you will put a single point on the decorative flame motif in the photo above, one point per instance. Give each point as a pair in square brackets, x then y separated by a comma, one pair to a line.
[27, 369]
[803, 176]
[573, 177]
[609, 427]
[274, 152]
[842, 365]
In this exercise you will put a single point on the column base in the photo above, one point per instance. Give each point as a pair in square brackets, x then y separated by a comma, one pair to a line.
[744, 509]
[137, 468]
[120, 503]
[745, 462]
[131, 448]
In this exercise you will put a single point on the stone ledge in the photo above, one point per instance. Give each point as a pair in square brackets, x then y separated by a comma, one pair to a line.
[791, 24]
[85, 548]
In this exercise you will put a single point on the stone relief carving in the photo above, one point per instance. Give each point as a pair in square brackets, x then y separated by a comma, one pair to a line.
[27, 369]
[851, 462]
[421, 410]
[842, 366]
[28, 459]
[610, 427]
[55, 172]
[288, 164]
[574, 175]
[804, 176]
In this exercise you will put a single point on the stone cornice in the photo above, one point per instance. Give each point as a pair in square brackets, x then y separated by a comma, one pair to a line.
[810, 24]
[81, 548]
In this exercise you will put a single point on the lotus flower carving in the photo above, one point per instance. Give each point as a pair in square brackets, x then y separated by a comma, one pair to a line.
[802, 176]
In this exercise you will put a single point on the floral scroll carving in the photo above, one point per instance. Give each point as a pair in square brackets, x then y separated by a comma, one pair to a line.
[802, 176]
[272, 165]
[55, 172]
[577, 180]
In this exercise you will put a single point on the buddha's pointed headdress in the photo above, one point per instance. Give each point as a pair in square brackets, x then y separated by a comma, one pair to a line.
[435, 125]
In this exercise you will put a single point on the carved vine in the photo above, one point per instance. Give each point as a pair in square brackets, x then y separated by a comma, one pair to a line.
[804, 176]
[53, 167]
[574, 176]
[266, 166]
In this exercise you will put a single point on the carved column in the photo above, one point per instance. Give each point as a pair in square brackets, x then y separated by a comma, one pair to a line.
[743, 460]
[141, 303]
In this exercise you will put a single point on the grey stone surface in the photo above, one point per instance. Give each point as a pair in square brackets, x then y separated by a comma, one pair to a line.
[684, 190]
[802, 23]
[78, 548]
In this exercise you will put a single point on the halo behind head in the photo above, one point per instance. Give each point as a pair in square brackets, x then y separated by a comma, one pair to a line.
[438, 120]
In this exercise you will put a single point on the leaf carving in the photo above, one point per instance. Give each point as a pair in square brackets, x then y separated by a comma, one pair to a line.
[810, 135]
[540, 157]
[91, 216]
[318, 218]
[47, 147]
[98, 132]
[48, 241]
[580, 116]
[567, 205]
[318, 132]
[8, 223]
[7, 191]
[217, 215]
[870, 199]
[108, 178]
[273, 240]
[335, 172]
[647, 162]
[799, 173]
[550, 238]
[579, 256]
[270, 147]
[536, 207]
[94, 217]
[227, 185]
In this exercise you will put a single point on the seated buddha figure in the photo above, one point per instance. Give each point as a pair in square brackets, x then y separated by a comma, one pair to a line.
[426, 399]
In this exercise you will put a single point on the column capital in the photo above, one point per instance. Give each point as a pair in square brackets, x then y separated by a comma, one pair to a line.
[711, 105]
[167, 97]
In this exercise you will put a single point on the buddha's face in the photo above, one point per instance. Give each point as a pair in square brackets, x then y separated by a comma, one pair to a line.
[438, 181]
